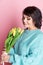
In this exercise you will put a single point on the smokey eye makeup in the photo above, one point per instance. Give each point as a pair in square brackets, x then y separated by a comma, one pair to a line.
[28, 18]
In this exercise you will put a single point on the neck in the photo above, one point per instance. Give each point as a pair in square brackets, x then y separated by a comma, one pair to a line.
[33, 28]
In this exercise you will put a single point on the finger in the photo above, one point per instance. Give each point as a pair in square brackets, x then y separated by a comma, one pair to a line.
[3, 52]
[3, 49]
[1, 62]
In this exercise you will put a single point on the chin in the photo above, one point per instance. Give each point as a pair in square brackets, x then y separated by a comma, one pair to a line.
[25, 28]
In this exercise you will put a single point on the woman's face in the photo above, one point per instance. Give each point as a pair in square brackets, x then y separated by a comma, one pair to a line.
[28, 22]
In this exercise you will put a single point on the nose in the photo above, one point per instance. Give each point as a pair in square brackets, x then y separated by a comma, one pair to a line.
[25, 20]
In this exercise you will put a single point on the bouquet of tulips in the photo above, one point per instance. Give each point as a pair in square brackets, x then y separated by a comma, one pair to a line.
[12, 37]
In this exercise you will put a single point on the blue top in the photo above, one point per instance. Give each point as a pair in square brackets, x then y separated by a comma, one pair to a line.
[28, 49]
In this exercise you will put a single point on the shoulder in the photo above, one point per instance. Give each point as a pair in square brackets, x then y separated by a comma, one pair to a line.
[38, 41]
[41, 34]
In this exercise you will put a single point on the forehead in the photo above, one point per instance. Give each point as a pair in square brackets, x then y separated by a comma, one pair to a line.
[27, 16]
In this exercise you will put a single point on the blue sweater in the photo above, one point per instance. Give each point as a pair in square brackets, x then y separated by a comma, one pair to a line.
[28, 49]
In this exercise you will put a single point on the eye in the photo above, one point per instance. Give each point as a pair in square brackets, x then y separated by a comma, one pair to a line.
[28, 18]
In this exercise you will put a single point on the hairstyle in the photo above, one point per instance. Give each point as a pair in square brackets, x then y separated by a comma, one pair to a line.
[35, 13]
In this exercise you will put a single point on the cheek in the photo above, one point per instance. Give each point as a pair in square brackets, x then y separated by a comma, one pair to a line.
[30, 22]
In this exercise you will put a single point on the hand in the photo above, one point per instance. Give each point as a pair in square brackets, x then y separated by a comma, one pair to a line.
[5, 57]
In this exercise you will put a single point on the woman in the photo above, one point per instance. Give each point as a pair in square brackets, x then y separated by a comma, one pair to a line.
[28, 50]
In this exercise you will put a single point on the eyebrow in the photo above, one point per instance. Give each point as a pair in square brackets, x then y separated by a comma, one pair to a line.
[26, 16]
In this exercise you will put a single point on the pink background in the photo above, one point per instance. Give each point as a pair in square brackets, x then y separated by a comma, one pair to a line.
[11, 15]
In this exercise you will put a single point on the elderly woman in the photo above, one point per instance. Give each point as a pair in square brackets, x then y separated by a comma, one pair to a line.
[28, 50]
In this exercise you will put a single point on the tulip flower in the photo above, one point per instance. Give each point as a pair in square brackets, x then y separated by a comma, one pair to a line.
[12, 37]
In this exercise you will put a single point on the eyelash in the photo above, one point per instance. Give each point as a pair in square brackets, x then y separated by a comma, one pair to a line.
[24, 18]
[28, 19]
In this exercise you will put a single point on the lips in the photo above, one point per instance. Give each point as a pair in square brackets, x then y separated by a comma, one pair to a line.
[25, 26]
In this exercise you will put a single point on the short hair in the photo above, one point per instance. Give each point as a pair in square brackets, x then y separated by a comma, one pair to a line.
[35, 13]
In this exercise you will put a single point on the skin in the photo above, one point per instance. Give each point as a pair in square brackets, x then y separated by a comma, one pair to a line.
[4, 57]
[28, 23]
